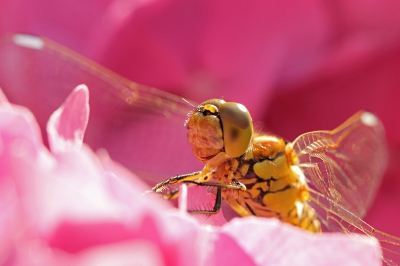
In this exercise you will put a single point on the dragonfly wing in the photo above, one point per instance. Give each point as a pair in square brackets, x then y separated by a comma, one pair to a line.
[346, 165]
[129, 120]
[336, 218]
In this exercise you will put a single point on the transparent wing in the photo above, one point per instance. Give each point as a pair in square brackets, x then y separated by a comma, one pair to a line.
[344, 168]
[346, 165]
[336, 218]
[119, 107]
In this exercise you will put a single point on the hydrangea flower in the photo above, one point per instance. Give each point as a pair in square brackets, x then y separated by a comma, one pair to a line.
[71, 206]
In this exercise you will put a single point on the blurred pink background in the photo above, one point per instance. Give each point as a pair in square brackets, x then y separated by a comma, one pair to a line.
[298, 67]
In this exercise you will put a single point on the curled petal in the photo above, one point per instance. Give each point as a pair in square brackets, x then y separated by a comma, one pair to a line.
[67, 124]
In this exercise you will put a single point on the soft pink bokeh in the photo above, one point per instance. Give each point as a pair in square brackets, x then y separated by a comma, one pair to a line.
[296, 66]
[73, 207]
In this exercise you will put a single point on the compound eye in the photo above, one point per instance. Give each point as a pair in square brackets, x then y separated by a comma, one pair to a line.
[216, 102]
[238, 128]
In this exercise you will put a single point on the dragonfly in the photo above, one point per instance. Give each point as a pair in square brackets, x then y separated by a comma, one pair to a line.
[264, 175]
[269, 173]
[341, 167]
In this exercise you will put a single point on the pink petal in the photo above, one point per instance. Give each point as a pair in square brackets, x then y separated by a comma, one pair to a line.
[122, 183]
[3, 98]
[339, 57]
[71, 205]
[229, 252]
[121, 253]
[270, 242]
[20, 134]
[67, 125]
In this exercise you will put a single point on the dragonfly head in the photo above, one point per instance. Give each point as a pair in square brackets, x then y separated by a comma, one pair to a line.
[218, 126]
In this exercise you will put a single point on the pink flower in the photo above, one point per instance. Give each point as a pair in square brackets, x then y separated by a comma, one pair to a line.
[69, 206]
[297, 67]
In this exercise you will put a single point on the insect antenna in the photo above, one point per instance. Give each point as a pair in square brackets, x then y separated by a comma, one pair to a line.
[189, 103]
[191, 112]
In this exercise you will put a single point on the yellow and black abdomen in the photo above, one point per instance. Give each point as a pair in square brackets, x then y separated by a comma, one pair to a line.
[273, 188]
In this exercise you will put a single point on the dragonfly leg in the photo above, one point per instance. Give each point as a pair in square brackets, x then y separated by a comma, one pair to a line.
[239, 209]
[177, 179]
[231, 201]
[236, 186]
[218, 198]
[173, 194]
[216, 208]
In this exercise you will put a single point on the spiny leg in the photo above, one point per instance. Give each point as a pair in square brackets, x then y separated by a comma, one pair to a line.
[175, 193]
[236, 186]
[233, 203]
[216, 208]
[189, 179]
[218, 198]
[172, 195]
[236, 206]
[177, 179]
